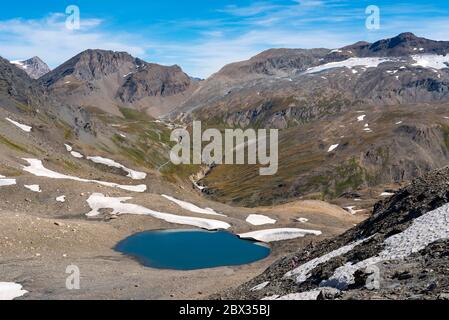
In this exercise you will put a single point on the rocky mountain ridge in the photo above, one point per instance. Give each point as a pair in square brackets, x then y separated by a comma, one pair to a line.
[110, 80]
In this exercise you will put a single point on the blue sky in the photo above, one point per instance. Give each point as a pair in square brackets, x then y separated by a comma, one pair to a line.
[203, 35]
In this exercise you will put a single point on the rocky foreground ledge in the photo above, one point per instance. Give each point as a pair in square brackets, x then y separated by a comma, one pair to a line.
[400, 252]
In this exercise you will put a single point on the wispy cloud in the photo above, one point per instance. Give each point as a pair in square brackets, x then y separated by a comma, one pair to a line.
[204, 44]
[50, 39]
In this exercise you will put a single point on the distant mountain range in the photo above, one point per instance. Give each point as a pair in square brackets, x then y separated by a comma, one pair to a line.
[284, 77]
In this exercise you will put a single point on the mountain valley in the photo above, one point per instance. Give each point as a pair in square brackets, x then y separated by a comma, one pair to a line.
[363, 150]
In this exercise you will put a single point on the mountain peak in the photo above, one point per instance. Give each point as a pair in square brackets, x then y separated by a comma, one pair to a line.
[404, 44]
[406, 36]
[34, 67]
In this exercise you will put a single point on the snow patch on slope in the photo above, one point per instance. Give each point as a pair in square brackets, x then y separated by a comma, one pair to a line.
[302, 272]
[98, 201]
[33, 187]
[7, 182]
[431, 61]
[271, 235]
[259, 220]
[428, 228]
[349, 63]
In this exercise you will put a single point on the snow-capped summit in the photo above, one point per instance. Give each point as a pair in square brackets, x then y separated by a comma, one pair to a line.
[34, 67]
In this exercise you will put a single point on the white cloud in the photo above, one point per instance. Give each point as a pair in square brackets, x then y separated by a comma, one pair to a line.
[49, 39]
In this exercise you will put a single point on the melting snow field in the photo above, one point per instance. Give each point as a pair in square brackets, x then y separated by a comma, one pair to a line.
[135, 175]
[431, 61]
[191, 207]
[302, 273]
[349, 63]
[20, 126]
[280, 234]
[428, 228]
[98, 201]
[11, 290]
[259, 220]
[37, 168]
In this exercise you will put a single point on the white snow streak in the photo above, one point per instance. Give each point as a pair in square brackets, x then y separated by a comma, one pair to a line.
[22, 127]
[135, 175]
[191, 207]
[260, 286]
[271, 235]
[352, 211]
[333, 147]
[37, 168]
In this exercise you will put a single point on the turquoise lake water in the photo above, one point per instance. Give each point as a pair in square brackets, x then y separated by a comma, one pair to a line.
[191, 249]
